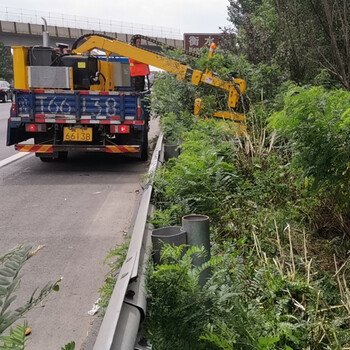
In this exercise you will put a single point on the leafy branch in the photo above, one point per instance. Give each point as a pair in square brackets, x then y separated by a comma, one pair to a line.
[11, 265]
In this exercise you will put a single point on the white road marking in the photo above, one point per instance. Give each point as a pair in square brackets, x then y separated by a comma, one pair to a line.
[13, 158]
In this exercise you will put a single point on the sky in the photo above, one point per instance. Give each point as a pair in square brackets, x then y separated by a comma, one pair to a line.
[184, 16]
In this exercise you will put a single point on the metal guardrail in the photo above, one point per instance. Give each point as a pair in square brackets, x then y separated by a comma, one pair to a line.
[127, 306]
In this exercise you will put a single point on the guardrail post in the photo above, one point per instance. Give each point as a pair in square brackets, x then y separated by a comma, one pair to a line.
[197, 228]
[128, 319]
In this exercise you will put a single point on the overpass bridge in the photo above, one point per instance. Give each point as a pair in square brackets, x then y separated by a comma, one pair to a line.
[19, 27]
[29, 34]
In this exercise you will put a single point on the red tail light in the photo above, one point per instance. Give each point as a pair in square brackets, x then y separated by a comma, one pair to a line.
[36, 127]
[120, 129]
[14, 109]
[124, 129]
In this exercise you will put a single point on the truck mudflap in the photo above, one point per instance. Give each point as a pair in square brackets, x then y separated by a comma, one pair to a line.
[51, 149]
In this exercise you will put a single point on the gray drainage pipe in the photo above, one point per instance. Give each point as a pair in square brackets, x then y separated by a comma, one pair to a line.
[197, 228]
[174, 235]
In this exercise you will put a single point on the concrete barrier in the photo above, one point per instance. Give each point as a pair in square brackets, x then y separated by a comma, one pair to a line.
[8, 27]
[85, 31]
[62, 32]
[122, 37]
[179, 43]
[36, 29]
[52, 30]
[22, 28]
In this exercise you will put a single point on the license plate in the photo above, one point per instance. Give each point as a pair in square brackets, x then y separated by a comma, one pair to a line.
[77, 134]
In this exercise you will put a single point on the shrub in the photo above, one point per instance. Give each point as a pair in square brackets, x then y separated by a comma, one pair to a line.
[179, 308]
[316, 123]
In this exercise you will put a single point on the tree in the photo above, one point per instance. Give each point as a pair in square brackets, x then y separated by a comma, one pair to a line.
[318, 33]
[6, 72]
[336, 24]
[255, 23]
[301, 36]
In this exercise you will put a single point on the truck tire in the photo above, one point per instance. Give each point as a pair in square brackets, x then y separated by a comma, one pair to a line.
[62, 155]
[47, 159]
[4, 98]
[144, 147]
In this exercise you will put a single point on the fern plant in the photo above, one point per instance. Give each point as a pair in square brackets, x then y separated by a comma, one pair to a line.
[11, 264]
[16, 339]
[177, 299]
[202, 178]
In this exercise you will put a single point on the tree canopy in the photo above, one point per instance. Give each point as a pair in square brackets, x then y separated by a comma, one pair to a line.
[6, 72]
[303, 37]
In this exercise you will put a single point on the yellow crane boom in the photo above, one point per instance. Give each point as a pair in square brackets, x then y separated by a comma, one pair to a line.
[182, 71]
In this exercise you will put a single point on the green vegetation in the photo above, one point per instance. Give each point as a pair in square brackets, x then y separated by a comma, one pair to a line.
[69, 346]
[16, 339]
[317, 124]
[278, 200]
[274, 279]
[6, 71]
[302, 39]
[11, 264]
[180, 301]
[115, 258]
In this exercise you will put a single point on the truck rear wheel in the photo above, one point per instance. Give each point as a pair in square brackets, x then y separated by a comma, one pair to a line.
[47, 159]
[62, 155]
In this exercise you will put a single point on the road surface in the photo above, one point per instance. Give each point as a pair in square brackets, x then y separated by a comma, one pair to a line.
[79, 209]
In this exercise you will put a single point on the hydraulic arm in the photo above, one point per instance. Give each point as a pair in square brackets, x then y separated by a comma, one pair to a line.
[182, 71]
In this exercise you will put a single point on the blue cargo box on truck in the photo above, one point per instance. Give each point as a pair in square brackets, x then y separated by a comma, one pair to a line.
[62, 120]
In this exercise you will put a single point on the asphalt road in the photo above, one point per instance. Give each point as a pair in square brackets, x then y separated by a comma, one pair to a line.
[79, 209]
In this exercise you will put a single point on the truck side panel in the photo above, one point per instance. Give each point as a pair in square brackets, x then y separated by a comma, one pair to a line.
[77, 104]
